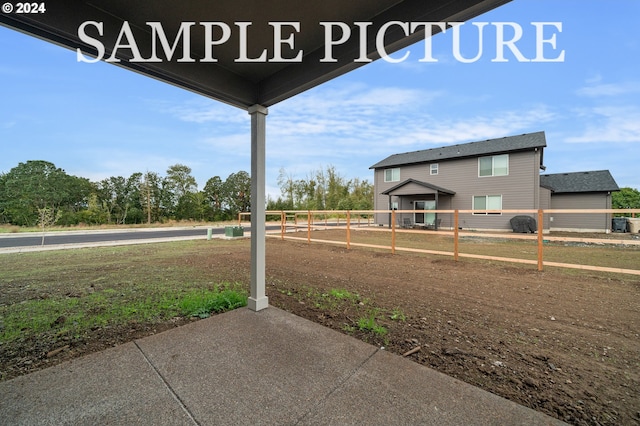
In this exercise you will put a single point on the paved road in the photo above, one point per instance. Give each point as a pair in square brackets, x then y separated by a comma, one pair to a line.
[86, 237]
[33, 241]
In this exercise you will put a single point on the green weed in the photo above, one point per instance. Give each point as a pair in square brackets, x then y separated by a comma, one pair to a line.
[342, 294]
[398, 315]
[370, 324]
[203, 304]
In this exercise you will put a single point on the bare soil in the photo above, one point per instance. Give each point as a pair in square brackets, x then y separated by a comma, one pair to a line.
[566, 343]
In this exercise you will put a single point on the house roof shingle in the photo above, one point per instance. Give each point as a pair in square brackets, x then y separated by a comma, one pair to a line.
[472, 149]
[593, 181]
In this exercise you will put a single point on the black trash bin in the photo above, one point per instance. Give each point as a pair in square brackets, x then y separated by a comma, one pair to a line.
[523, 224]
[620, 224]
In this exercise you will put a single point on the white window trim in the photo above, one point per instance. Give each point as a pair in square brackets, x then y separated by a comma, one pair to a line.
[434, 170]
[473, 198]
[392, 173]
[493, 167]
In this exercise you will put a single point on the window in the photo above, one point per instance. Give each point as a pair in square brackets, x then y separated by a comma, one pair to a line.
[495, 165]
[392, 175]
[487, 202]
[433, 170]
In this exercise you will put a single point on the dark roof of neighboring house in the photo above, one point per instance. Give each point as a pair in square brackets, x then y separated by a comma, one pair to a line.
[594, 181]
[473, 149]
[425, 184]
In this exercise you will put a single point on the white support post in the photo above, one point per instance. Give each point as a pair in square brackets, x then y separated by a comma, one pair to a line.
[258, 299]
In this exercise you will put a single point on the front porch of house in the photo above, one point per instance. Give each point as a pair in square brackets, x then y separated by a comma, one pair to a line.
[421, 197]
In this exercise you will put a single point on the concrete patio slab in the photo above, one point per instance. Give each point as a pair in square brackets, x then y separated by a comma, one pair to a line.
[243, 367]
[388, 389]
[116, 386]
[267, 367]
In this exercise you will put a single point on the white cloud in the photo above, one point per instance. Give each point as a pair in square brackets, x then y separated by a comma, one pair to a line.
[200, 111]
[357, 126]
[229, 143]
[101, 165]
[609, 89]
[609, 124]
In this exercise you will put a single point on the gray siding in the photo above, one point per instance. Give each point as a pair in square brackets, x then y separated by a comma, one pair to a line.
[519, 190]
[545, 203]
[581, 222]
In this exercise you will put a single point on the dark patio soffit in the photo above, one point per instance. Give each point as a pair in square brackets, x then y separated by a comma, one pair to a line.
[235, 83]
[417, 182]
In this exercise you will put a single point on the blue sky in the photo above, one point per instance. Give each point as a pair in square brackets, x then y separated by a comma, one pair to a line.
[98, 120]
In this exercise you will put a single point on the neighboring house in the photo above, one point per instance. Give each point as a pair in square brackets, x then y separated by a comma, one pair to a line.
[581, 190]
[496, 174]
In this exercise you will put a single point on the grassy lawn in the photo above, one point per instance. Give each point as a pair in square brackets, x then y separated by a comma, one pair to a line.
[71, 292]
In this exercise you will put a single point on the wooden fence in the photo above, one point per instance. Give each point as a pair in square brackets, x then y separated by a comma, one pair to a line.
[350, 220]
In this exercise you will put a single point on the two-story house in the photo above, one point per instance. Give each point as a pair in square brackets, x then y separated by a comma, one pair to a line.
[496, 174]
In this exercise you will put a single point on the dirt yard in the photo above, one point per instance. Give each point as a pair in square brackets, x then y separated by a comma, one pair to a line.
[561, 342]
[566, 343]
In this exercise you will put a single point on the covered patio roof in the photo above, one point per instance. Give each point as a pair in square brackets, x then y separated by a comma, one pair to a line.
[242, 84]
[212, 62]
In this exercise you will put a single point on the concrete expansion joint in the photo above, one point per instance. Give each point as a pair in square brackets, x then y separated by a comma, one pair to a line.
[168, 386]
[338, 385]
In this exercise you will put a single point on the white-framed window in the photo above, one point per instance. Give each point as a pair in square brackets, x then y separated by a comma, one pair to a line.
[494, 165]
[433, 169]
[487, 202]
[394, 205]
[392, 175]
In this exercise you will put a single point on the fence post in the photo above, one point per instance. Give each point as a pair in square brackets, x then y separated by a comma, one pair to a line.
[393, 232]
[283, 224]
[348, 229]
[540, 241]
[239, 218]
[455, 234]
[308, 226]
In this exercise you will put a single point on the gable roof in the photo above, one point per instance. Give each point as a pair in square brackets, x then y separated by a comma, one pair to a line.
[524, 142]
[594, 181]
[424, 184]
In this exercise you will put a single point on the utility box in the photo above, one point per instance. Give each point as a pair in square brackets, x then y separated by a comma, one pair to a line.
[619, 224]
[233, 231]
[634, 225]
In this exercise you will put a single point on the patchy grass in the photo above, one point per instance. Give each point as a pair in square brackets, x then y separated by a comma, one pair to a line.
[370, 324]
[350, 303]
[203, 304]
[76, 316]
[72, 292]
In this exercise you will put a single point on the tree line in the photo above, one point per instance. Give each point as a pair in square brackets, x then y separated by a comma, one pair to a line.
[37, 188]
[37, 191]
[323, 189]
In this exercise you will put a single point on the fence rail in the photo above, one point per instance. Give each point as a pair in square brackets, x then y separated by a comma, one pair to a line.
[313, 220]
